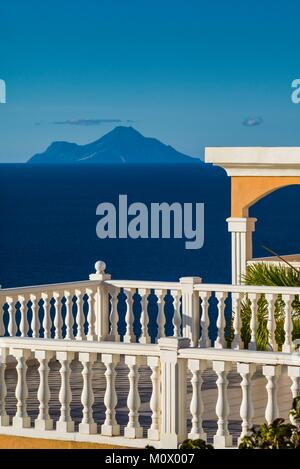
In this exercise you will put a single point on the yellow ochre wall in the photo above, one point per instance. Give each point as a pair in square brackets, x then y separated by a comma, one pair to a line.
[246, 190]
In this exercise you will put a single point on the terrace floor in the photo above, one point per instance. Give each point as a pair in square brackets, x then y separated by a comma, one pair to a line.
[99, 384]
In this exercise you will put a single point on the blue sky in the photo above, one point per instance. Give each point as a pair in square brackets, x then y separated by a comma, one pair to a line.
[186, 72]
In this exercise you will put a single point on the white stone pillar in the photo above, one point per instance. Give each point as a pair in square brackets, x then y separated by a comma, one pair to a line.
[173, 391]
[43, 421]
[101, 302]
[241, 230]
[190, 309]
[4, 418]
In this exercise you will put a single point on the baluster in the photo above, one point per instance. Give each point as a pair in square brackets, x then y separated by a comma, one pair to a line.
[288, 345]
[65, 423]
[154, 430]
[47, 318]
[58, 323]
[110, 426]
[35, 327]
[145, 338]
[133, 428]
[87, 425]
[294, 374]
[236, 310]
[91, 320]
[80, 316]
[204, 341]
[128, 337]
[69, 320]
[272, 373]
[21, 419]
[220, 341]
[160, 315]
[43, 421]
[222, 438]
[12, 325]
[253, 297]
[4, 418]
[113, 317]
[246, 371]
[197, 367]
[176, 294]
[2, 329]
[23, 320]
[271, 325]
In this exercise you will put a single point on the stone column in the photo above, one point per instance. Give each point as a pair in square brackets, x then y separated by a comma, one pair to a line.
[241, 230]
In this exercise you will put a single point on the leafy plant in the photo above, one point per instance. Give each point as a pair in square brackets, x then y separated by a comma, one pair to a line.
[270, 275]
[195, 444]
[276, 435]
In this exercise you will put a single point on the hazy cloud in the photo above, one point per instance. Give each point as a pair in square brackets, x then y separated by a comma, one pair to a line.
[88, 122]
[252, 121]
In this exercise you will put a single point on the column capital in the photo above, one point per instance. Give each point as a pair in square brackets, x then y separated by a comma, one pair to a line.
[242, 225]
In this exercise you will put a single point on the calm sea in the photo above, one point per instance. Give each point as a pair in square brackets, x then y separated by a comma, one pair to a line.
[48, 223]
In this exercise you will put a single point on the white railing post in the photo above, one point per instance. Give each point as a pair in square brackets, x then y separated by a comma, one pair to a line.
[204, 341]
[21, 419]
[288, 345]
[65, 423]
[294, 374]
[58, 323]
[87, 425]
[253, 297]
[173, 391]
[246, 370]
[110, 426]
[272, 373]
[101, 302]
[236, 311]
[176, 294]
[197, 367]
[222, 438]
[4, 418]
[220, 341]
[133, 428]
[155, 404]
[144, 338]
[43, 421]
[12, 325]
[35, 327]
[190, 309]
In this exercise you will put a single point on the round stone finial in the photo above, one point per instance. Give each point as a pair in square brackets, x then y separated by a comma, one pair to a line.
[100, 267]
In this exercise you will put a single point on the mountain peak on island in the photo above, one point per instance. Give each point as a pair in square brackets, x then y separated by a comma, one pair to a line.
[119, 146]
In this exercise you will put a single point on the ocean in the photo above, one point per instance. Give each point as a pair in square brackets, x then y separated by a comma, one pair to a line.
[48, 223]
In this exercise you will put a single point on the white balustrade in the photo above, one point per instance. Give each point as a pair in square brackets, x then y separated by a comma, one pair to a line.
[288, 325]
[155, 406]
[204, 340]
[65, 423]
[43, 421]
[167, 390]
[21, 419]
[133, 428]
[110, 426]
[222, 438]
[113, 317]
[176, 317]
[35, 324]
[271, 325]
[91, 320]
[12, 325]
[4, 418]
[79, 316]
[272, 374]
[58, 322]
[47, 318]
[246, 371]
[145, 338]
[236, 311]
[197, 367]
[129, 336]
[69, 316]
[87, 424]
[220, 340]
[160, 294]
[253, 297]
